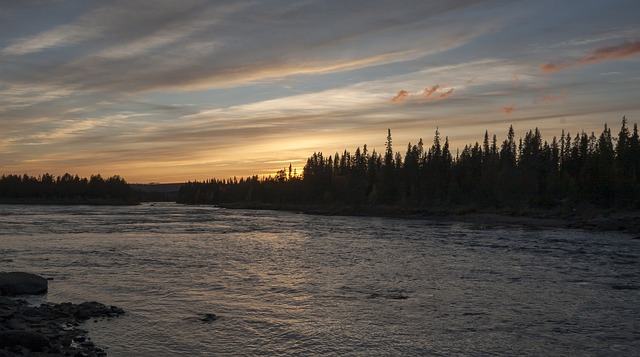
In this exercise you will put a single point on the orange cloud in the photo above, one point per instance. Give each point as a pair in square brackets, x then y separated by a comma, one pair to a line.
[401, 97]
[600, 54]
[445, 94]
[508, 110]
[429, 91]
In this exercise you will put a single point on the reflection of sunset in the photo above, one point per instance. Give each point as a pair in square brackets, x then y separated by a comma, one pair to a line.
[101, 92]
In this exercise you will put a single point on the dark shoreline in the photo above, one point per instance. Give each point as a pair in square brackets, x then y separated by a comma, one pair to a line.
[581, 217]
[585, 217]
[67, 201]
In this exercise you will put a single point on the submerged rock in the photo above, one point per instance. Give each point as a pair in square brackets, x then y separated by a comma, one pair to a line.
[209, 318]
[20, 283]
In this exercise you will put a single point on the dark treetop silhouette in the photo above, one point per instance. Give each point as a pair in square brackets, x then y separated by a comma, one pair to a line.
[65, 189]
[601, 170]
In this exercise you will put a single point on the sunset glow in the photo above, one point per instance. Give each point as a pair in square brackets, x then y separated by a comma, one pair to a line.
[191, 90]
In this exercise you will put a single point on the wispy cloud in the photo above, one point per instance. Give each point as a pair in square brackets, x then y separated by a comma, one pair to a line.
[508, 110]
[446, 94]
[401, 97]
[624, 50]
[549, 98]
[59, 36]
[112, 22]
[191, 45]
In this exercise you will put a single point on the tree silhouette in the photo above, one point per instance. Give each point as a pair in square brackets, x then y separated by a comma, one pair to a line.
[66, 188]
[600, 170]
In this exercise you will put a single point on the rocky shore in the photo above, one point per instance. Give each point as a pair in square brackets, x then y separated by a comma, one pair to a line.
[49, 329]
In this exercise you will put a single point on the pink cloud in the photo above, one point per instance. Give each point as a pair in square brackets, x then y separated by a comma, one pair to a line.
[550, 98]
[627, 49]
[508, 110]
[429, 91]
[428, 94]
[555, 67]
[401, 97]
[445, 94]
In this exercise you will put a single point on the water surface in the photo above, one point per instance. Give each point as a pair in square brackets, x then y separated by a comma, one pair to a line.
[284, 283]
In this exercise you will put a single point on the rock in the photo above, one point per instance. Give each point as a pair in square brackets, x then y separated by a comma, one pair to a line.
[398, 296]
[28, 339]
[5, 301]
[209, 318]
[5, 353]
[394, 294]
[20, 283]
[91, 309]
[49, 327]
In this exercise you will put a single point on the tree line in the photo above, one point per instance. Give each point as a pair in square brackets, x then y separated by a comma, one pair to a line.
[603, 170]
[63, 188]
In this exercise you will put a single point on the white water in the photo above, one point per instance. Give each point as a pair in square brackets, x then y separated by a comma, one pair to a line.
[294, 284]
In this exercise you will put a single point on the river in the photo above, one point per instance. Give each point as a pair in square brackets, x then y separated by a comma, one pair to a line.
[282, 283]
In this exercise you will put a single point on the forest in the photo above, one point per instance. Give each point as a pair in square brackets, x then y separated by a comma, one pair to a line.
[601, 170]
[65, 189]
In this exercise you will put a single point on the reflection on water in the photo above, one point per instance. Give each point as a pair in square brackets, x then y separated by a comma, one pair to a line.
[282, 283]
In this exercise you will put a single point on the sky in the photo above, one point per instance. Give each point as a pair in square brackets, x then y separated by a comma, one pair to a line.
[173, 91]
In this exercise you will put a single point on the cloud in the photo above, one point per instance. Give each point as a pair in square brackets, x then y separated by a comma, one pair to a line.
[60, 36]
[430, 90]
[446, 94]
[115, 22]
[624, 50]
[516, 79]
[401, 97]
[127, 47]
[128, 88]
[508, 110]
[550, 98]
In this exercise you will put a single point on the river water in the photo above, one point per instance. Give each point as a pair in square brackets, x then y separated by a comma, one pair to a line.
[282, 283]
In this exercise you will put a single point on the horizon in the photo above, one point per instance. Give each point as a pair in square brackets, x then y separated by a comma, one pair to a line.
[298, 171]
[194, 91]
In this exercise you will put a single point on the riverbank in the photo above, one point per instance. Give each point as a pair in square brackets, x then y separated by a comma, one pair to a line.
[68, 201]
[585, 217]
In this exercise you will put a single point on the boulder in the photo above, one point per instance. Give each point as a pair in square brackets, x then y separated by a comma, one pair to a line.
[28, 339]
[19, 283]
